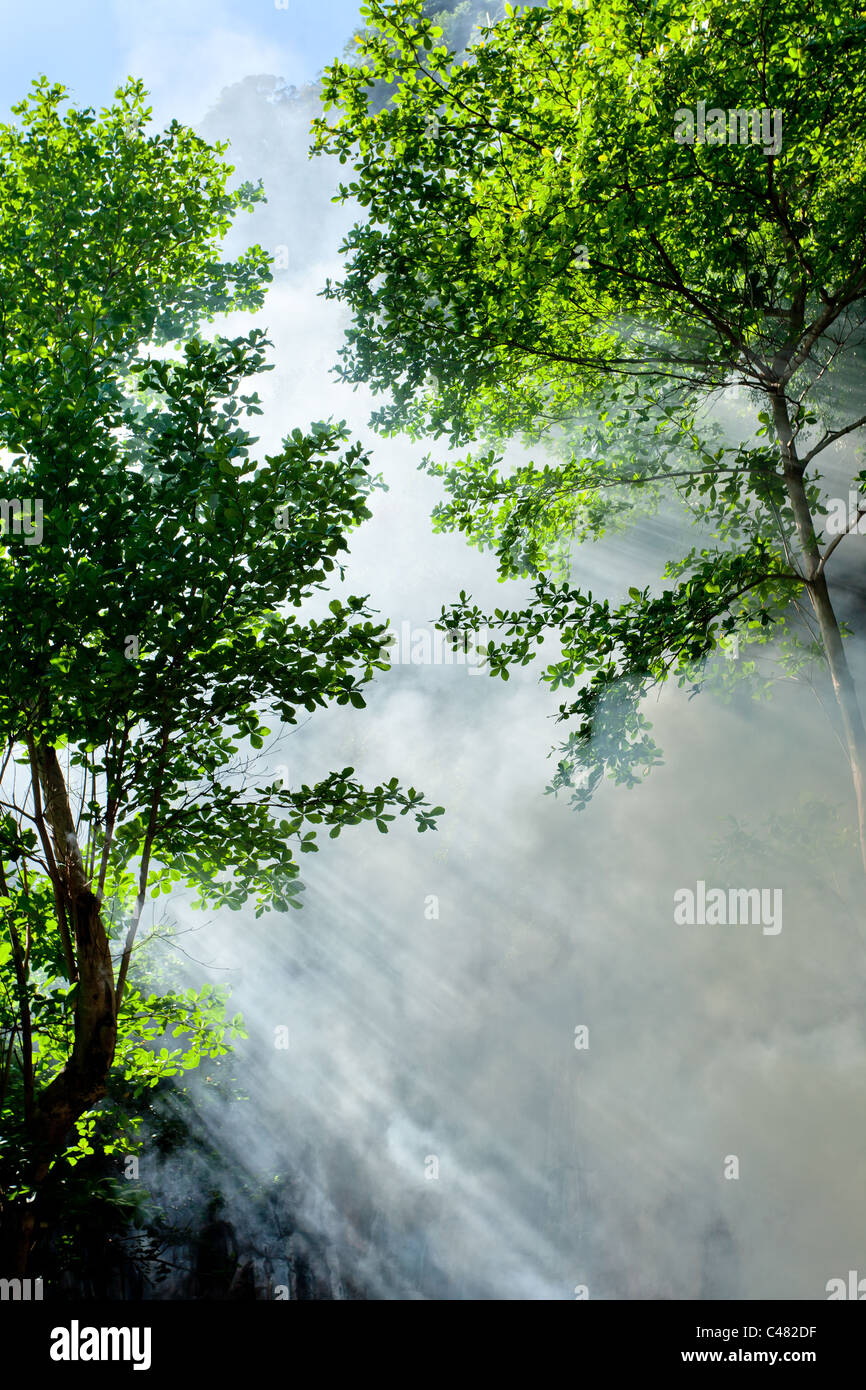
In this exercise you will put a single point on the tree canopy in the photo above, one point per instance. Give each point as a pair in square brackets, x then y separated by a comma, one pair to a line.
[590, 226]
[155, 584]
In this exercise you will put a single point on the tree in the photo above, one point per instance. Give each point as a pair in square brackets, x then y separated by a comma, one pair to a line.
[606, 216]
[99, 1227]
[155, 582]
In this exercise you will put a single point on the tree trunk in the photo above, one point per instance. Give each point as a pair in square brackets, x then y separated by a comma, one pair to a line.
[82, 1081]
[819, 595]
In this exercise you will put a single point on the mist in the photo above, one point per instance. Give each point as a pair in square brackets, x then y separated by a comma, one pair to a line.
[509, 1073]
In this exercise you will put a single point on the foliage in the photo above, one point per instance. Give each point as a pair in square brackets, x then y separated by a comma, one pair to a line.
[545, 254]
[161, 609]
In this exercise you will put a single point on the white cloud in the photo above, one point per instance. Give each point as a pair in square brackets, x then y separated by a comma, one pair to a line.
[187, 51]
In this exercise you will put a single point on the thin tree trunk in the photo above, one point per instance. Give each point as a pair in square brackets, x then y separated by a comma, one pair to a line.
[83, 1080]
[840, 672]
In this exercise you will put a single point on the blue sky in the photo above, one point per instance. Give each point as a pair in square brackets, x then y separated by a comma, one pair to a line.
[185, 50]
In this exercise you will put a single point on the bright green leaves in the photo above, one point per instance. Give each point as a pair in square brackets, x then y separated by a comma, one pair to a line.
[542, 255]
[554, 229]
[617, 654]
[159, 622]
[107, 236]
[532, 514]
